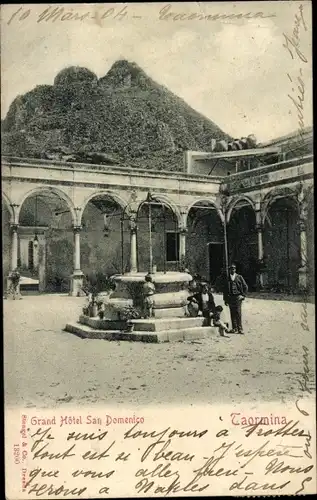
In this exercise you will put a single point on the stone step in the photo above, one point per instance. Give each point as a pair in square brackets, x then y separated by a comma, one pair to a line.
[171, 312]
[160, 314]
[87, 332]
[161, 324]
[102, 324]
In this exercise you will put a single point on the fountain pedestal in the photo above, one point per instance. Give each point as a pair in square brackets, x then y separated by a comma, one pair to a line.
[168, 323]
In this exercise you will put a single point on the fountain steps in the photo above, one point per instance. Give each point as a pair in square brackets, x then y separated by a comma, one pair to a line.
[169, 335]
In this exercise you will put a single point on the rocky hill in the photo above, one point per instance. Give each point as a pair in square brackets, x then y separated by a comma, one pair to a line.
[122, 118]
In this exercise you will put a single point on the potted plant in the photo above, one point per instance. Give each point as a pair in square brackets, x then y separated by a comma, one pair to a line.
[101, 308]
[89, 288]
[94, 284]
[86, 311]
[127, 314]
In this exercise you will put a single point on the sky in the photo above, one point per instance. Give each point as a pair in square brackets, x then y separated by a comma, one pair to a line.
[237, 72]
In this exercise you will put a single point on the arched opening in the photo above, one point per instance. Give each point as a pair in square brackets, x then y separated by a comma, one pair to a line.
[158, 241]
[45, 243]
[205, 242]
[282, 244]
[104, 239]
[243, 243]
[6, 243]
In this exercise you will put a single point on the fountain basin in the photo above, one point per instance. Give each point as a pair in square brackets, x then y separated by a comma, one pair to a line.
[171, 288]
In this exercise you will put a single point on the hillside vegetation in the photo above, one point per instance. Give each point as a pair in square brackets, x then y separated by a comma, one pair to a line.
[124, 117]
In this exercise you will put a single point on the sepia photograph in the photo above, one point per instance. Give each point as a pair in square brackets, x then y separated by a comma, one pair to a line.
[157, 208]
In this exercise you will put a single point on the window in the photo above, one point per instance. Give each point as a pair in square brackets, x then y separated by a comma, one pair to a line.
[172, 246]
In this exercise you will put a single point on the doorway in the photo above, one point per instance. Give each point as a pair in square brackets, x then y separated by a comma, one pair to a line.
[215, 260]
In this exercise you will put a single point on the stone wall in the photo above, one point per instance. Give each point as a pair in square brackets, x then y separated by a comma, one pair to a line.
[282, 248]
[203, 229]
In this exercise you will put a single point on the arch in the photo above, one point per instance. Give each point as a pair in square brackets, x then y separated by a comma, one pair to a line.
[277, 194]
[165, 201]
[117, 199]
[234, 202]
[9, 206]
[48, 189]
[207, 202]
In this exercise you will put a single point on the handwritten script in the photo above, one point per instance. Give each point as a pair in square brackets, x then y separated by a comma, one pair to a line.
[85, 457]
[293, 45]
[167, 13]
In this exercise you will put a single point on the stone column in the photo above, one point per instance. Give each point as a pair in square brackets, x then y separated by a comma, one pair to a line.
[14, 246]
[302, 271]
[182, 228]
[182, 244]
[260, 273]
[133, 245]
[77, 230]
[77, 276]
[42, 263]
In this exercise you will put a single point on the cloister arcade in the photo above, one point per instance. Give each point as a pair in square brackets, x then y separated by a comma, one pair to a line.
[59, 232]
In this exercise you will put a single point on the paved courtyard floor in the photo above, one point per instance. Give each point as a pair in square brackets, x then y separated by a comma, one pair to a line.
[47, 367]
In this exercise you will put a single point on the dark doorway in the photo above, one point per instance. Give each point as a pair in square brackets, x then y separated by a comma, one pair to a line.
[216, 260]
[172, 246]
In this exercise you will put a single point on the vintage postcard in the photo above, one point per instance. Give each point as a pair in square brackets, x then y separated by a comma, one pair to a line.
[158, 249]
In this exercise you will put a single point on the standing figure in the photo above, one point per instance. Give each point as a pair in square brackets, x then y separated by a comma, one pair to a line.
[234, 293]
[14, 285]
[148, 292]
[206, 303]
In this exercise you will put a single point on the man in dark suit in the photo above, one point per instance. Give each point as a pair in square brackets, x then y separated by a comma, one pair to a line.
[234, 293]
[206, 303]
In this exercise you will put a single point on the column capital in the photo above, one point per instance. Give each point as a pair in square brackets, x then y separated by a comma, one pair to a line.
[257, 205]
[132, 222]
[77, 215]
[301, 223]
[259, 216]
[77, 229]
[182, 229]
[182, 222]
[259, 227]
[14, 226]
[303, 210]
[184, 211]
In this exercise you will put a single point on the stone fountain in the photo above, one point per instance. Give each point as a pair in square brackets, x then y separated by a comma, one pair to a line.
[168, 323]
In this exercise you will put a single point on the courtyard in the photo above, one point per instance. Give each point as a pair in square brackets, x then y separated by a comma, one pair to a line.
[46, 367]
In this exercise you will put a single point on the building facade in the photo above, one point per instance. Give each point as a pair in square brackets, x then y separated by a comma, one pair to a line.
[62, 221]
